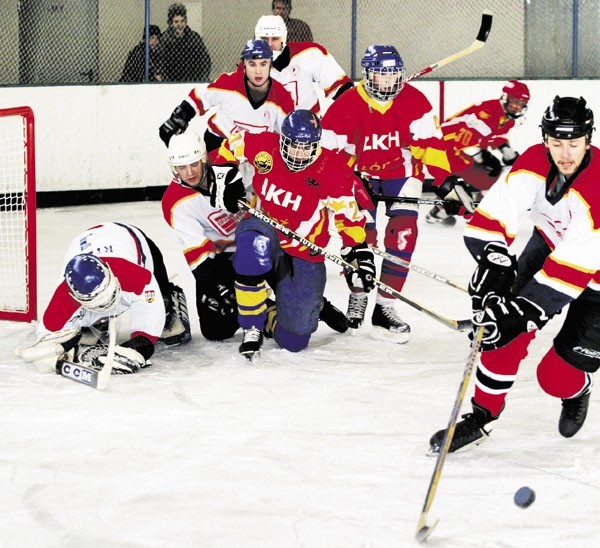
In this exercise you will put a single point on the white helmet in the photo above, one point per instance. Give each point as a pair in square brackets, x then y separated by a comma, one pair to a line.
[271, 26]
[186, 148]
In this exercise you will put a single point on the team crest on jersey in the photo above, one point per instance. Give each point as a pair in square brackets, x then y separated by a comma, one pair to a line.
[225, 223]
[263, 162]
[311, 182]
[149, 296]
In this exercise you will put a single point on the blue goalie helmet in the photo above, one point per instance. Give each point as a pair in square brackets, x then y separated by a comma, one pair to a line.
[257, 49]
[300, 139]
[383, 72]
[92, 283]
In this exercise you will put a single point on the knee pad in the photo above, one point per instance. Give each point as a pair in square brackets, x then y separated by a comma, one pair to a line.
[558, 378]
[253, 255]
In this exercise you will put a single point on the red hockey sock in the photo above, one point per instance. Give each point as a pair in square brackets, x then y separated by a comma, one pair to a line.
[400, 240]
[559, 378]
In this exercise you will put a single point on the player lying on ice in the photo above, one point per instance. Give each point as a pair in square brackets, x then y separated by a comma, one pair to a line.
[557, 181]
[110, 269]
[305, 188]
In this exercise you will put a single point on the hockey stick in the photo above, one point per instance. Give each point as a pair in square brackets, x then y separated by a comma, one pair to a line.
[424, 530]
[419, 201]
[458, 325]
[416, 268]
[482, 36]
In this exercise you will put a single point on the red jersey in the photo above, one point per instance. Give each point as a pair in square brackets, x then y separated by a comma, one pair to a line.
[390, 139]
[306, 201]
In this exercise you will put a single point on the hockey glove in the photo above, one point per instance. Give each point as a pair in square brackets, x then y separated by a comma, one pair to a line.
[177, 123]
[126, 360]
[361, 257]
[493, 277]
[509, 154]
[506, 320]
[45, 352]
[221, 300]
[489, 162]
[457, 195]
[226, 187]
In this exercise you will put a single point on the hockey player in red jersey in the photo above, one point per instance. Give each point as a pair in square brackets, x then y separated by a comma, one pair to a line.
[301, 66]
[556, 181]
[472, 134]
[247, 99]
[110, 269]
[391, 130]
[308, 189]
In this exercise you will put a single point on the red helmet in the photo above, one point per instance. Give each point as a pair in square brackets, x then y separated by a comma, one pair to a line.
[515, 96]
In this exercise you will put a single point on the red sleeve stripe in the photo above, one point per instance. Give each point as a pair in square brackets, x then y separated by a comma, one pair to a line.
[480, 221]
[194, 254]
[568, 274]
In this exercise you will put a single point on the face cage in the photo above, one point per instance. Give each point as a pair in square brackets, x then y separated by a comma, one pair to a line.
[376, 93]
[104, 299]
[291, 161]
[514, 116]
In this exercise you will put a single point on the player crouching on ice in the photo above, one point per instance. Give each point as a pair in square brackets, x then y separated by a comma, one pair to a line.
[557, 181]
[110, 269]
[303, 187]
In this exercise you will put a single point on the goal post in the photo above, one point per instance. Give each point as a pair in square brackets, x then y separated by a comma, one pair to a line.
[18, 283]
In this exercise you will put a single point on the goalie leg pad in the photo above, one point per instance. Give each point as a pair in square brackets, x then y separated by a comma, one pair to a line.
[177, 324]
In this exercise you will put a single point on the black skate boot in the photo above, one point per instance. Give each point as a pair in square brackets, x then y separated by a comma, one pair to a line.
[357, 306]
[437, 215]
[252, 343]
[333, 317]
[386, 316]
[469, 431]
[573, 414]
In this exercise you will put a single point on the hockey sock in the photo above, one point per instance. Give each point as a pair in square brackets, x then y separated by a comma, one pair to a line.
[559, 378]
[400, 239]
[252, 304]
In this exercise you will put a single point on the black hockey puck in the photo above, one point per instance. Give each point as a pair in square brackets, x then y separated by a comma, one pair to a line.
[524, 497]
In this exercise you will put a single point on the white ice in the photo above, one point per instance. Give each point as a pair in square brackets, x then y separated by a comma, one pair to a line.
[325, 448]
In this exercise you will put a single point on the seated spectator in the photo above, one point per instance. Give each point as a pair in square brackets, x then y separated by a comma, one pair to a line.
[184, 55]
[297, 30]
[135, 65]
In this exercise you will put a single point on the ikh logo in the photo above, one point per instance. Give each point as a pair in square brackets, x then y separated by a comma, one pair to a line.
[382, 142]
[77, 373]
[263, 162]
[280, 197]
[149, 296]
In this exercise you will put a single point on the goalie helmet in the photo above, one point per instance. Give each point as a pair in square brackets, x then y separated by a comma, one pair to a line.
[383, 72]
[568, 118]
[515, 97]
[92, 283]
[300, 139]
[257, 49]
[185, 149]
[272, 26]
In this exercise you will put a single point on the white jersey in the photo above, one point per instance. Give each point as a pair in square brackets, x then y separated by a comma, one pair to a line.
[125, 249]
[202, 230]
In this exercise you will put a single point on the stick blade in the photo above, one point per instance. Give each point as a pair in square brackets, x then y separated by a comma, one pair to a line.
[486, 26]
[425, 531]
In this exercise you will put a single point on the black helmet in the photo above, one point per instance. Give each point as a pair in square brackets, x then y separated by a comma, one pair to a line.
[568, 118]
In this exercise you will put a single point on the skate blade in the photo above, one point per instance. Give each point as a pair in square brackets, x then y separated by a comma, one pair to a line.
[252, 357]
[434, 451]
[383, 334]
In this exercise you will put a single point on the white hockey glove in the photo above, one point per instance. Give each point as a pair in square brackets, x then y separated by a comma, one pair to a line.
[226, 187]
[126, 360]
[45, 352]
[509, 154]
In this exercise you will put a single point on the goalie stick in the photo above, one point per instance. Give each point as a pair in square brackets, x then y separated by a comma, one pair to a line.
[479, 42]
[458, 325]
[424, 530]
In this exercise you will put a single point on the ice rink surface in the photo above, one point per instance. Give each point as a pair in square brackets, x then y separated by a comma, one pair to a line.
[325, 448]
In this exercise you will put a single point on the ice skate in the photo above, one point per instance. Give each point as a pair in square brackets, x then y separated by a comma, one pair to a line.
[437, 215]
[573, 414]
[252, 343]
[468, 432]
[386, 317]
[333, 317]
[357, 306]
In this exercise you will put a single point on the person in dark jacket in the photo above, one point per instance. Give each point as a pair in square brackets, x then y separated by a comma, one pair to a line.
[135, 65]
[184, 55]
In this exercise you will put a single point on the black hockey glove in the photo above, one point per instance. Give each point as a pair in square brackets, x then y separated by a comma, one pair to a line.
[222, 300]
[459, 199]
[509, 154]
[493, 277]
[490, 163]
[506, 320]
[226, 187]
[361, 257]
[177, 123]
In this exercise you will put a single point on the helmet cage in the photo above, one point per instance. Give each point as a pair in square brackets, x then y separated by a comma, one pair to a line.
[381, 64]
[92, 283]
[300, 139]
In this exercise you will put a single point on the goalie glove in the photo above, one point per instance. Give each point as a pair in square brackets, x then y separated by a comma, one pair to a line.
[494, 276]
[45, 353]
[126, 360]
[363, 259]
[509, 154]
[457, 195]
[505, 321]
[226, 187]
[177, 123]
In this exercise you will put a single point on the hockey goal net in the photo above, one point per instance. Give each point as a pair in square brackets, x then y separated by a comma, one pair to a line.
[18, 295]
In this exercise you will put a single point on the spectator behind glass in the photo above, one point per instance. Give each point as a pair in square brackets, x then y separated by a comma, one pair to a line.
[297, 30]
[135, 65]
[184, 55]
